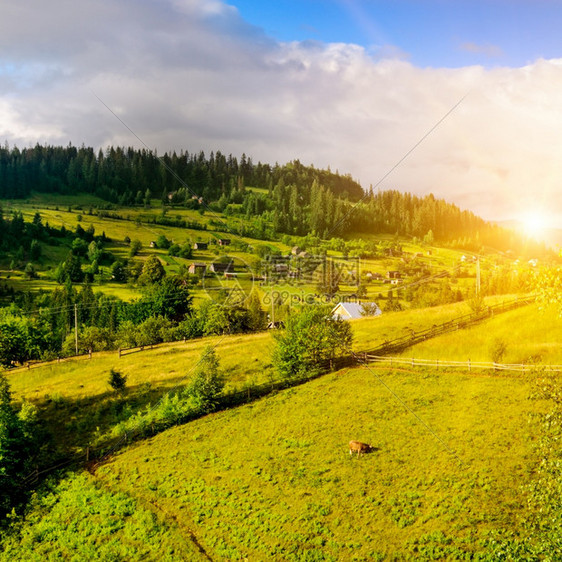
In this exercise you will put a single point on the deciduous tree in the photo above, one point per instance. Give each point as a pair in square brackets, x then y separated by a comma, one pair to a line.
[312, 337]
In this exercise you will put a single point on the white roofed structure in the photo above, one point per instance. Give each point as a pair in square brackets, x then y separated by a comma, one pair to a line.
[353, 310]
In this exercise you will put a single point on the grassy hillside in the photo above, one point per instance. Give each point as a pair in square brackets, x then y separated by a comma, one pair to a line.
[137, 223]
[530, 336]
[77, 404]
[274, 480]
[76, 519]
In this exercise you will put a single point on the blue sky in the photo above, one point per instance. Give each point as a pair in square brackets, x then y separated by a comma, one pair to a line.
[436, 33]
[350, 84]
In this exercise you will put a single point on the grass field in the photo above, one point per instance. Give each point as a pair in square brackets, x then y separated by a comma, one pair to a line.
[76, 519]
[77, 404]
[136, 223]
[531, 336]
[273, 480]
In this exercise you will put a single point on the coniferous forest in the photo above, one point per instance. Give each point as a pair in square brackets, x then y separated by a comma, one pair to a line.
[294, 198]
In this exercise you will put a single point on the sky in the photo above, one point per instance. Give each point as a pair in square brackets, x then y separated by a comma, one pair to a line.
[459, 99]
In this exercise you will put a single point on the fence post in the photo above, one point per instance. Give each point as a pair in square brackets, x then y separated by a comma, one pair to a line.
[119, 352]
[469, 366]
[412, 362]
[87, 454]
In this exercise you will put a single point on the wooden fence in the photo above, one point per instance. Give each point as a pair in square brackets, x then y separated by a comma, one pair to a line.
[466, 365]
[400, 344]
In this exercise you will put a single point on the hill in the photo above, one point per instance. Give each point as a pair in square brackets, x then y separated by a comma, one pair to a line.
[515, 332]
[78, 407]
[291, 199]
[273, 479]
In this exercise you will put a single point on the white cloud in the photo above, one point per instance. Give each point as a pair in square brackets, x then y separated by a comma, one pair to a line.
[192, 74]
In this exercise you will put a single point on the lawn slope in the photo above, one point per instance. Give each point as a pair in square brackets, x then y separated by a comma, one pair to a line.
[530, 336]
[274, 480]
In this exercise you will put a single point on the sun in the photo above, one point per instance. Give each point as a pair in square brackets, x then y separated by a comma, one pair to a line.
[535, 223]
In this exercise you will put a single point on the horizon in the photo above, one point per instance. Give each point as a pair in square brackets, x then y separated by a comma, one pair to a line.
[416, 96]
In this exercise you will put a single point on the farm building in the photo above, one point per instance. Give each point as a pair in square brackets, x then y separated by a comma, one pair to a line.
[218, 267]
[197, 269]
[353, 310]
[200, 246]
[223, 241]
[393, 275]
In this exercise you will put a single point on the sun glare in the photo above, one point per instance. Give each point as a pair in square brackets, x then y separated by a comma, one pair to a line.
[535, 223]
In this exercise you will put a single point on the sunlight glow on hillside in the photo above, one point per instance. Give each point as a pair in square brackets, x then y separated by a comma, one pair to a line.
[535, 223]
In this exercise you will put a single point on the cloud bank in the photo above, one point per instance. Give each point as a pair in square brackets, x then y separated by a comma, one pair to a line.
[192, 74]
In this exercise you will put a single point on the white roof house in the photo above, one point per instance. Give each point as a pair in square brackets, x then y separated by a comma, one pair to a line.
[352, 310]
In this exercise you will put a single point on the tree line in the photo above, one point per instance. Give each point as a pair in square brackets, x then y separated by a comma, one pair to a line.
[293, 198]
[131, 176]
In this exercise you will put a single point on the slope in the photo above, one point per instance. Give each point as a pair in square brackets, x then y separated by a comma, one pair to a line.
[273, 480]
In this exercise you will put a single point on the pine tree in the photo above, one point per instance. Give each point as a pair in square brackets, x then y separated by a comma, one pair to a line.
[12, 448]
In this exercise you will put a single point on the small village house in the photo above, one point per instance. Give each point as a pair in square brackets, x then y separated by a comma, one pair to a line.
[197, 269]
[218, 267]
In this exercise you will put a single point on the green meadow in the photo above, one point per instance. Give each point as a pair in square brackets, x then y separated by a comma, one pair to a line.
[76, 402]
[137, 223]
[530, 336]
[273, 480]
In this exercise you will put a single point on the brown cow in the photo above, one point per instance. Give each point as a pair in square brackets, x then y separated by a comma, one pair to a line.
[357, 446]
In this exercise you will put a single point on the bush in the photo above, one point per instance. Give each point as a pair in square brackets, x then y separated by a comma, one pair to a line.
[497, 350]
[117, 381]
[135, 248]
[163, 242]
[153, 330]
[174, 250]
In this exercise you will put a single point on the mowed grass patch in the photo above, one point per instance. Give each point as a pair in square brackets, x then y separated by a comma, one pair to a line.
[274, 480]
[530, 335]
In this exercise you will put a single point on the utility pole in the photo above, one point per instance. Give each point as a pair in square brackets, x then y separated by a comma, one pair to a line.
[76, 326]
